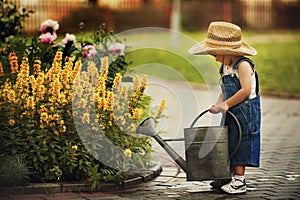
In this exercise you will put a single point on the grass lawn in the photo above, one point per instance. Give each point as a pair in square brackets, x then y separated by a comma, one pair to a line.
[277, 61]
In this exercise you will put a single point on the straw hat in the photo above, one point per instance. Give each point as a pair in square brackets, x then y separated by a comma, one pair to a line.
[223, 38]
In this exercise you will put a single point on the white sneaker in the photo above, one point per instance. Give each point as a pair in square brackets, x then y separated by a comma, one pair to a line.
[235, 187]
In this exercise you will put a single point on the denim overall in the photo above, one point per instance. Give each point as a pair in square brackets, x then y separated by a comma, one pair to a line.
[249, 115]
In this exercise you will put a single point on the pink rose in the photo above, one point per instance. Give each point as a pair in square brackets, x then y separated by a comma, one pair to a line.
[89, 51]
[48, 37]
[49, 26]
[117, 48]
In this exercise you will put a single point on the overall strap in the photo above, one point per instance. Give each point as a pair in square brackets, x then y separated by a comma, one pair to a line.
[235, 67]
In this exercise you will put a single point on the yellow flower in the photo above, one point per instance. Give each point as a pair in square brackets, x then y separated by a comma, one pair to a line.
[11, 96]
[127, 153]
[56, 132]
[162, 107]
[74, 147]
[11, 121]
[62, 98]
[86, 118]
[137, 112]
[63, 129]
[44, 117]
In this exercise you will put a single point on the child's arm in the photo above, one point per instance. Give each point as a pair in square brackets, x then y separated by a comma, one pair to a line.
[244, 72]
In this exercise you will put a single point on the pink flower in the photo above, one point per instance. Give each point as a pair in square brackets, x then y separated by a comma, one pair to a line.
[48, 38]
[68, 38]
[89, 51]
[117, 48]
[48, 29]
[49, 26]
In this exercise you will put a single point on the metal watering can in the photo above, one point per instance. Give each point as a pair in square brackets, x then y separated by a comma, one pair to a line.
[206, 149]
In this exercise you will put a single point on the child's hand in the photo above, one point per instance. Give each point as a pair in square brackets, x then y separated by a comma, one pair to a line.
[215, 109]
[221, 107]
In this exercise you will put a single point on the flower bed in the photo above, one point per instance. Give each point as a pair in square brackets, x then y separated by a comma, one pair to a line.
[67, 112]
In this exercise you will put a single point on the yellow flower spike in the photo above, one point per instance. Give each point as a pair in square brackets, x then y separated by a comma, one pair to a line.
[11, 96]
[117, 81]
[30, 103]
[109, 102]
[58, 56]
[37, 67]
[104, 67]
[13, 60]
[77, 68]
[101, 83]
[144, 83]
[32, 82]
[127, 153]
[101, 103]
[124, 91]
[162, 107]
[136, 82]
[96, 97]
[1, 70]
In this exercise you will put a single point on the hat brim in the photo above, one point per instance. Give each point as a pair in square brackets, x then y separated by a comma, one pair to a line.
[202, 49]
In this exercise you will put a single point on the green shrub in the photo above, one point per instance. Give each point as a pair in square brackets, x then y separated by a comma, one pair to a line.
[11, 19]
[14, 171]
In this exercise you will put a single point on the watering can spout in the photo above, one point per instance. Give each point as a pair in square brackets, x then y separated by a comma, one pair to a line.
[147, 128]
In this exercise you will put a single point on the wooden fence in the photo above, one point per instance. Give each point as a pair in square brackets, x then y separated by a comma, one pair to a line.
[195, 14]
[252, 14]
[48, 9]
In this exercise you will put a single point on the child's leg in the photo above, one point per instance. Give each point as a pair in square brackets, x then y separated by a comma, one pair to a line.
[239, 170]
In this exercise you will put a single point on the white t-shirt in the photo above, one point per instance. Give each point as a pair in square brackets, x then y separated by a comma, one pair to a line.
[229, 71]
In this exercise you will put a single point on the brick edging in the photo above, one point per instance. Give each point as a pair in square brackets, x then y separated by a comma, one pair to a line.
[52, 188]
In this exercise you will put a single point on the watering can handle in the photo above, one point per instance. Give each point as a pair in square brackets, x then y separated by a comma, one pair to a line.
[237, 122]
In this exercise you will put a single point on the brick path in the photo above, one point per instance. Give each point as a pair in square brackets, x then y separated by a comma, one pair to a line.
[277, 178]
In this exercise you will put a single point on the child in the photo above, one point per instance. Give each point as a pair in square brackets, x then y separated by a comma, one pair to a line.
[239, 95]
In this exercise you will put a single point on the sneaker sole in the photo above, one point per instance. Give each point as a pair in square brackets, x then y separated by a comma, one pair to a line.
[235, 191]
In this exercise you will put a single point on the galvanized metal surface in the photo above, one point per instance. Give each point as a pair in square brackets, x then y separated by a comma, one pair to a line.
[207, 155]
